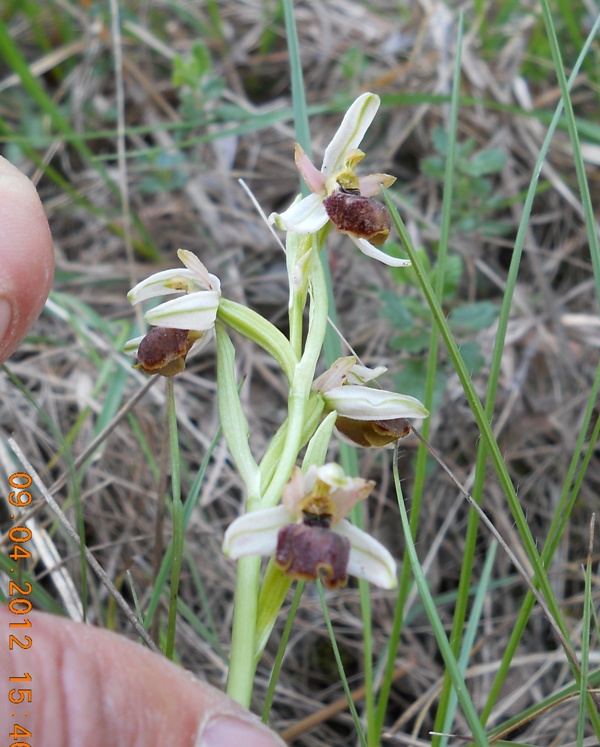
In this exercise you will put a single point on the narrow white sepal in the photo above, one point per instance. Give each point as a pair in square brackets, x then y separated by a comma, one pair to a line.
[161, 283]
[255, 533]
[363, 403]
[203, 276]
[368, 249]
[195, 311]
[369, 559]
[306, 216]
[350, 133]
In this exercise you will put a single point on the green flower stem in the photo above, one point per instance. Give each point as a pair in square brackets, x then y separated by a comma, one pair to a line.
[242, 662]
[235, 427]
[258, 329]
[302, 382]
[312, 417]
[243, 643]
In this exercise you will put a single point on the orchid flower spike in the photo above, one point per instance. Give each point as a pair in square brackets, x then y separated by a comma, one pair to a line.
[338, 194]
[308, 535]
[180, 324]
[366, 416]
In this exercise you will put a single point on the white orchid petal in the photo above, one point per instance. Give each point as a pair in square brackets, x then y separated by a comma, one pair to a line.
[194, 265]
[350, 133]
[363, 403]
[371, 251]
[336, 374]
[369, 559]
[162, 283]
[195, 311]
[331, 474]
[131, 346]
[306, 216]
[360, 374]
[255, 533]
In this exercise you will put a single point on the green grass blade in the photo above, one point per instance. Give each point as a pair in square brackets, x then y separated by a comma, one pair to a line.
[560, 520]
[561, 516]
[177, 518]
[477, 732]
[15, 60]
[421, 461]
[585, 638]
[575, 144]
[190, 504]
[285, 637]
[297, 81]
[469, 638]
[340, 666]
[484, 428]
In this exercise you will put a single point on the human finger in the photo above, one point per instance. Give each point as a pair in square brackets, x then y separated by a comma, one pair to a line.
[26, 257]
[92, 688]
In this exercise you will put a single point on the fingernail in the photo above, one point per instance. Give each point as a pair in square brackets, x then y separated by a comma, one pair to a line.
[5, 315]
[230, 732]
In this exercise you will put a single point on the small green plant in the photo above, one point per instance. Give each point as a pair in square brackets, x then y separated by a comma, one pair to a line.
[411, 316]
[199, 88]
[474, 197]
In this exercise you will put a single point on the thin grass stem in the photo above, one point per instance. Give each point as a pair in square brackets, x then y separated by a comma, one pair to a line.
[477, 732]
[177, 519]
[285, 637]
[338, 660]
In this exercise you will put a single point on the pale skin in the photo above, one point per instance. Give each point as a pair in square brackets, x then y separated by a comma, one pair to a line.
[89, 687]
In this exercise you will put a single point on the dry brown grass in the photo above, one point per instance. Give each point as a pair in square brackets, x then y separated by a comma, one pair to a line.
[548, 365]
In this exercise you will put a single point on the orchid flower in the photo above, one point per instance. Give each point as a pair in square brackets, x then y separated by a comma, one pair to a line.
[366, 416]
[179, 324]
[308, 535]
[338, 195]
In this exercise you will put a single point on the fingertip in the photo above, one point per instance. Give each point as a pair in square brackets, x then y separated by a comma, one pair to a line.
[26, 257]
[92, 688]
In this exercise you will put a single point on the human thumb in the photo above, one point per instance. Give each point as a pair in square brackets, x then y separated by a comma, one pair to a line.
[87, 687]
[26, 257]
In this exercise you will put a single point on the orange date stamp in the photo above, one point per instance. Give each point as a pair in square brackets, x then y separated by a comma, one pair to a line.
[19, 627]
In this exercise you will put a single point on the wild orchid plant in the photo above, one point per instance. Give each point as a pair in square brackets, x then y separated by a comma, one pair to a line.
[294, 515]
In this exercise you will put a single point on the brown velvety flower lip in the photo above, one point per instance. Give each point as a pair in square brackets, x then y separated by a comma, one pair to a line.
[311, 552]
[163, 351]
[360, 216]
[377, 433]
